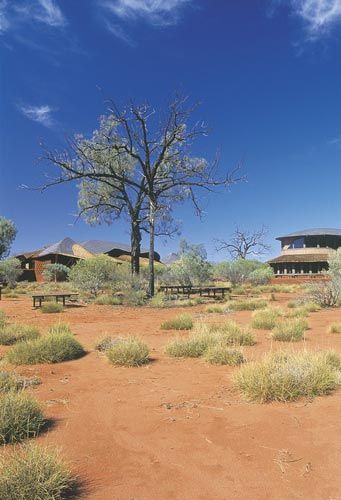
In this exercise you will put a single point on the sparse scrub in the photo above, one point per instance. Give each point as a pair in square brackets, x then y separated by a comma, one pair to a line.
[290, 330]
[52, 307]
[3, 318]
[215, 309]
[10, 381]
[58, 328]
[287, 376]
[181, 322]
[335, 327]
[108, 300]
[20, 417]
[34, 473]
[10, 334]
[232, 333]
[298, 312]
[48, 349]
[192, 347]
[132, 352]
[265, 319]
[107, 343]
[220, 354]
[159, 300]
[247, 305]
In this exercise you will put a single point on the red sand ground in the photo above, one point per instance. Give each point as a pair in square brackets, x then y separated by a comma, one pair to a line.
[176, 429]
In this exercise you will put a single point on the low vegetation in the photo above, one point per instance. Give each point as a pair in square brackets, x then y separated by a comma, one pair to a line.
[20, 418]
[10, 381]
[47, 349]
[221, 354]
[181, 322]
[58, 328]
[232, 333]
[52, 307]
[247, 305]
[266, 319]
[130, 352]
[290, 330]
[3, 318]
[108, 300]
[30, 472]
[216, 309]
[334, 327]
[107, 342]
[10, 334]
[287, 376]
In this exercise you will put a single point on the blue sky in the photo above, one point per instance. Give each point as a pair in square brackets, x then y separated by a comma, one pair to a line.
[267, 74]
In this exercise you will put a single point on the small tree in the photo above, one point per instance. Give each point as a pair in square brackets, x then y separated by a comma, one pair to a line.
[10, 271]
[262, 275]
[238, 271]
[92, 275]
[56, 272]
[245, 243]
[8, 232]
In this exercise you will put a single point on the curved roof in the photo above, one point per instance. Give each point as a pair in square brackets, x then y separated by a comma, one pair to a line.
[313, 232]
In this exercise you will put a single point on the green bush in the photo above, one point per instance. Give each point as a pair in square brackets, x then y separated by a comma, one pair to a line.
[287, 376]
[135, 298]
[231, 332]
[266, 319]
[334, 327]
[108, 300]
[159, 300]
[132, 352]
[290, 330]
[192, 347]
[10, 334]
[220, 354]
[34, 473]
[48, 349]
[247, 305]
[58, 328]
[215, 309]
[52, 307]
[10, 381]
[20, 417]
[297, 312]
[181, 322]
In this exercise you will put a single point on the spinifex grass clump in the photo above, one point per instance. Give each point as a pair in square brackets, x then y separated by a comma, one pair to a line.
[231, 332]
[108, 300]
[107, 342]
[247, 305]
[221, 354]
[216, 309]
[192, 347]
[287, 376]
[181, 322]
[20, 417]
[52, 307]
[32, 472]
[297, 312]
[47, 349]
[290, 330]
[10, 381]
[130, 352]
[335, 327]
[10, 334]
[58, 328]
[266, 319]
[3, 318]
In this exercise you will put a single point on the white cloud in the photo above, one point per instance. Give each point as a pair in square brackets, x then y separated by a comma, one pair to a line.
[39, 114]
[4, 21]
[318, 16]
[158, 12]
[119, 32]
[49, 13]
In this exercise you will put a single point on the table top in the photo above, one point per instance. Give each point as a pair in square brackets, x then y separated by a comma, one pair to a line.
[54, 294]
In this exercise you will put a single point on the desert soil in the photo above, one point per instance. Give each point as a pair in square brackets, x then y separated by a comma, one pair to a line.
[177, 429]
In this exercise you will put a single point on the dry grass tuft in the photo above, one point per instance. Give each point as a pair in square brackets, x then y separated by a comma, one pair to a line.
[290, 330]
[181, 322]
[52, 307]
[59, 328]
[10, 334]
[132, 352]
[266, 319]
[221, 354]
[247, 305]
[334, 327]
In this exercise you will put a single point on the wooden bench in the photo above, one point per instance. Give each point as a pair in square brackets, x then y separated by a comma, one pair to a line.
[41, 297]
[208, 291]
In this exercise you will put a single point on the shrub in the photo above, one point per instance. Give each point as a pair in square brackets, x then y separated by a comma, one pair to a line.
[3, 318]
[47, 349]
[52, 307]
[215, 309]
[10, 381]
[10, 334]
[20, 417]
[181, 322]
[326, 294]
[58, 328]
[287, 376]
[107, 343]
[31, 472]
[239, 271]
[56, 272]
[132, 352]
[334, 328]
[261, 276]
[108, 300]
[298, 312]
[265, 319]
[192, 347]
[10, 270]
[290, 330]
[135, 298]
[247, 305]
[159, 300]
[94, 274]
[220, 354]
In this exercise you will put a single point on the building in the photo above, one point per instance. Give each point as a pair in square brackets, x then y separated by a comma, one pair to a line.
[306, 253]
[68, 252]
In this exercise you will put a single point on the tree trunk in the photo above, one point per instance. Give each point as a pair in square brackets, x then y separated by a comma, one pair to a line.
[135, 248]
[151, 286]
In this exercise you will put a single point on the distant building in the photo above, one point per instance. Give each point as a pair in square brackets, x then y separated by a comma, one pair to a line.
[306, 252]
[68, 252]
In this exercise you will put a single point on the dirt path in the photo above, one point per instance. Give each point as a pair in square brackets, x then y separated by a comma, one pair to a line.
[176, 429]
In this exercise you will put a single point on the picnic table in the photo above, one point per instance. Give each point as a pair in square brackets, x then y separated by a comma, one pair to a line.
[41, 296]
[189, 290]
[0, 290]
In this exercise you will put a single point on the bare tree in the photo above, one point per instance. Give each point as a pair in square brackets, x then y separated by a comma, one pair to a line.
[140, 164]
[245, 243]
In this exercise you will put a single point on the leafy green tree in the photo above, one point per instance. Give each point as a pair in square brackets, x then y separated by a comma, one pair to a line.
[94, 274]
[262, 275]
[56, 272]
[238, 271]
[10, 271]
[8, 232]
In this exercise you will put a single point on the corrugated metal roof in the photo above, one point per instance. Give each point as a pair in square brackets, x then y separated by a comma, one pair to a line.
[101, 246]
[313, 232]
[300, 258]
